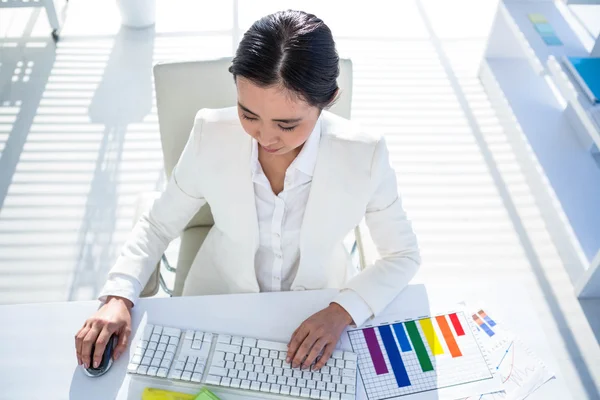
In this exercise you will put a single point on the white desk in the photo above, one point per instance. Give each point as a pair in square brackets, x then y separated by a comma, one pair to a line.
[37, 351]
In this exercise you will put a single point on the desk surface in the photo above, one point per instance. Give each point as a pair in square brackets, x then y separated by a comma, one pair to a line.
[37, 352]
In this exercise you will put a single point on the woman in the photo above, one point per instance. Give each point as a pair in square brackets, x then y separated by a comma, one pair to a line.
[286, 181]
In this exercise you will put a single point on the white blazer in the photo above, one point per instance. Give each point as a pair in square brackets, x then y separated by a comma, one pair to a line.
[352, 179]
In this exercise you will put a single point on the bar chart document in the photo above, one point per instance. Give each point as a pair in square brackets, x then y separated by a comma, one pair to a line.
[433, 357]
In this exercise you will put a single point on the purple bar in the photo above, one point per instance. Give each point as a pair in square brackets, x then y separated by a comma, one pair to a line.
[375, 350]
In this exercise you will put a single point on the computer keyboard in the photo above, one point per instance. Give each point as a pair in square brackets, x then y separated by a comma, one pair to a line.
[241, 363]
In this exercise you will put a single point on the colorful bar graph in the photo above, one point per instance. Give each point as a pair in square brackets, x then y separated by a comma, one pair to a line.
[448, 336]
[483, 325]
[402, 338]
[375, 350]
[431, 336]
[486, 318]
[456, 323]
[419, 346]
[394, 356]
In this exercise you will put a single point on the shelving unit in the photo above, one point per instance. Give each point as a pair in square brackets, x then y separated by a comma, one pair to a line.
[525, 77]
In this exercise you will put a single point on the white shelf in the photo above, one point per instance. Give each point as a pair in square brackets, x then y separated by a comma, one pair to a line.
[584, 116]
[514, 36]
[574, 177]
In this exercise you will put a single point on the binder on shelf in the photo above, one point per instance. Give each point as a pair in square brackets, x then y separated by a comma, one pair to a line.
[586, 71]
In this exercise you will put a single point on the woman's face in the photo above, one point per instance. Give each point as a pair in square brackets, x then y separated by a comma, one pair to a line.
[278, 120]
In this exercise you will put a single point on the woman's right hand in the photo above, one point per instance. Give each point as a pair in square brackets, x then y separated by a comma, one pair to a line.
[113, 317]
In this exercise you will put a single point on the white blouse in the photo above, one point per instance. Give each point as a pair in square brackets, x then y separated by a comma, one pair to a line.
[279, 220]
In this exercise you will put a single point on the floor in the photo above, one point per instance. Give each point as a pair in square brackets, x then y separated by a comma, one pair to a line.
[79, 141]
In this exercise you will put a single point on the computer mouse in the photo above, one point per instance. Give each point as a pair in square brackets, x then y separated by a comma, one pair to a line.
[106, 362]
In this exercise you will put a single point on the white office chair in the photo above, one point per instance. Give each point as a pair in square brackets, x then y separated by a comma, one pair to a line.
[183, 88]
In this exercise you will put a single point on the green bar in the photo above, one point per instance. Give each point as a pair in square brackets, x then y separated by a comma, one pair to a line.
[418, 345]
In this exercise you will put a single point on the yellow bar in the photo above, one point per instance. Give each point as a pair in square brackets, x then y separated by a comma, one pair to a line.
[432, 339]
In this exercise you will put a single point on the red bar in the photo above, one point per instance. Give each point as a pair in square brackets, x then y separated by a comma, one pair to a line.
[456, 323]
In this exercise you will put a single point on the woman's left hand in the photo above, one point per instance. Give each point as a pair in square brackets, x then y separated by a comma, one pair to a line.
[319, 333]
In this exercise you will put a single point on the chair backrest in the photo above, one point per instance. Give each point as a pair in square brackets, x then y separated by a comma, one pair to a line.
[183, 88]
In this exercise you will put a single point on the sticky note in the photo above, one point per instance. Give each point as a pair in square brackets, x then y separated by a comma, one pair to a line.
[552, 40]
[537, 18]
[544, 28]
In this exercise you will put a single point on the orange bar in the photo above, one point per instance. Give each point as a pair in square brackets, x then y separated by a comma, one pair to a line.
[448, 336]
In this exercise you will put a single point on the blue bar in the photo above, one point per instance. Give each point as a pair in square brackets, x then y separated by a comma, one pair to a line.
[486, 329]
[394, 356]
[489, 321]
[402, 339]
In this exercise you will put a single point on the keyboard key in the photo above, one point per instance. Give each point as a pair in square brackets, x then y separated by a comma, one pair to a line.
[228, 348]
[142, 369]
[189, 366]
[171, 348]
[255, 386]
[243, 375]
[179, 365]
[171, 332]
[285, 390]
[148, 331]
[335, 396]
[159, 354]
[340, 388]
[189, 334]
[197, 336]
[239, 366]
[253, 376]
[334, 371]
[283, 355]
[336, 379]
[239, 358]
[136, 359]
[220, 363]
[229, 365]
[304, 392]
[330, 362]
[224, 339]
[245, 384]
[246, 350]
[306, 375]
[155, 362]
[196, 377]
[331, 387]
[315, 394]
[325, 370]
[348, 372]
[268, 361]
[169, 356]
[278, 371]
[259, 368]
[350, 389]
[225, 381]
[347, 397]
[311, 384]
[340, 363]
[265, 387]
[249, 342]
[324, 395]
[162, 372]
[175, 374]
[262, 377]
[265, 344]
[235, 383]
[152, 346]
[217, 371]
[349, 356]
[155, 338]
[229, 356]
[281, 380]
[146, 361]
[249, 367]
[264, 353]
[346, 380]
[199, 368]
[139, 351]
[326, 378]
[174, 341]
[275, 388]
[143, 344]
[132, 368]
[269, 370]
[337, 354]
[186, 376]
[255, 352]
[232, 373]
[297, 373]
[197, 344]
[295, 391]
[301, 383]
[277, 363]
[271, 379]
[237, 340]
[213, 380]
[161, 347]
[163, 339]
[208, 337]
